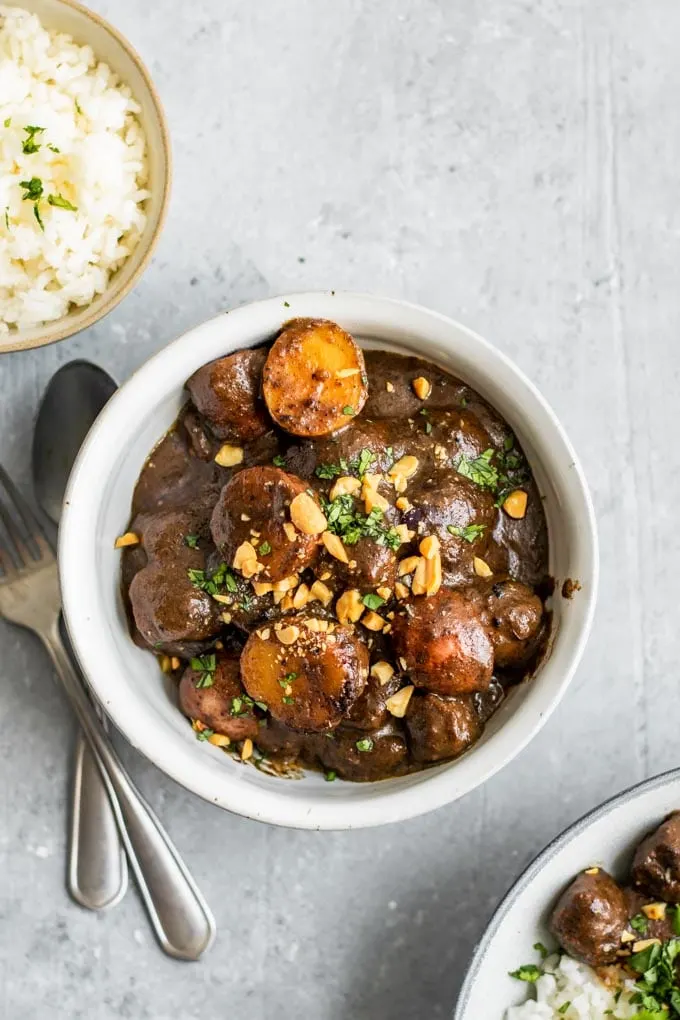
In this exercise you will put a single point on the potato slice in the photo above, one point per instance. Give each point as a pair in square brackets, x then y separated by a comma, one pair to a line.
[314, 378]
[311, 684]
[254, 507]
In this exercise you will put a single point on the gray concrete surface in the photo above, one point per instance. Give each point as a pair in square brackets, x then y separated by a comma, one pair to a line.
[513, 164]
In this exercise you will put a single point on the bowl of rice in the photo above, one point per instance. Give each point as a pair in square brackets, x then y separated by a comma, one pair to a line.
[515, 973]
[85, 170]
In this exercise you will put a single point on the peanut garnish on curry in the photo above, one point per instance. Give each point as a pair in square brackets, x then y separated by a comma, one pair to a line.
[341, 553]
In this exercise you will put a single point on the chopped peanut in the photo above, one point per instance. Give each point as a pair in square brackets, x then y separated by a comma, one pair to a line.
[403, 504]
[264, 634]
[389, 387]
[373, 621]
[344, 486]
[638, 947]
[404, 468]
[408, 565]
[251, 567]
[384, 592]
[516, 504]
[655, 911]
[370, 494]
[401, 591]
[307, 515]
[433, 575]
[286, 583]
[245, 517]
[229, 456]
[382, 671]
[419, 585]
[592, 871]
[287, 635]
[349, 606]
[422, 387]
[247, 749]
[226, 617]
[628, 937]
[398, 703]
[405, 534]
[346, 373]
[301, 596]
[482, 568]
[334, 546]
[286, 603]
[429, 547]
[244, 553]
[226, 600]
[321, 592]
[290, 530]
[219, 740]
[129, 538]
[165, 664]
[278, 597]
[317, 626]
[262, 587]
[175, 663]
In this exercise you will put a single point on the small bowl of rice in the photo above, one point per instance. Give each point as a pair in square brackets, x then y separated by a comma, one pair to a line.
[85, 170]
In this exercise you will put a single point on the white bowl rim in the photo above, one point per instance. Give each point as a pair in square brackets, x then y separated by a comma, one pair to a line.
[382, 804]
[520, 885]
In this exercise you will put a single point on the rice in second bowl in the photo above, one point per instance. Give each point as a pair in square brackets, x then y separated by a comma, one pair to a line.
[73, 173]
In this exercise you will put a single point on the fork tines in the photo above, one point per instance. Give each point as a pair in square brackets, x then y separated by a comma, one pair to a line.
[22, 538]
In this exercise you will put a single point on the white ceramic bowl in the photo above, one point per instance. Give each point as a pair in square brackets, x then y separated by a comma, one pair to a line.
[108, 45]
[127, 681]
[606, 837]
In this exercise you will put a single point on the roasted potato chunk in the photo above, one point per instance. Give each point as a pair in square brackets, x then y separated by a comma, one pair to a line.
[516, 615]
[364, 757]
[216, 698]
[170, 613]
[253, 507]
[314, 378]
[440, 727]
[445, 643]
[308, 678]
[227, 394]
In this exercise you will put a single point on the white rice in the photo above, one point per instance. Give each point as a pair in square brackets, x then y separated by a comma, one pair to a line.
[566, 980]
[48, 81]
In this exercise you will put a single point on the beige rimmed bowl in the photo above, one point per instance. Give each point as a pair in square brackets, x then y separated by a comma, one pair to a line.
[88, 28]
[126, 680]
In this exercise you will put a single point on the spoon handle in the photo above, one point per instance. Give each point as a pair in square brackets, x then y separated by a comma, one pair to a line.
[97, 867]
[180, 916]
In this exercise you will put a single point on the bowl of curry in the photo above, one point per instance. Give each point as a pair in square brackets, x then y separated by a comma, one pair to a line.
[313, 555]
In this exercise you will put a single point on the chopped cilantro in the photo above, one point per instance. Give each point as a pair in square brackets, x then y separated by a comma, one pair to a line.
[204, 734]
[279, 461]
[541, 950]
[289, 677]
[61, 203]
[480, 470]
[330, 776]
[205, 666]
[365, 744]
[675, 919]
[347, 409]
[191, 541]
[288, 700]
[36, 213]
[237, 706]
[351, 524]
[261, 705]
[639, 923]
[357, 466]
[463, 402]
[53, 148]
[7, 218]
[30, 145]
[428, 427]
[220, 579]
[8, 121]
[564, 1007]
[529, 972]
[469, 533]
[33, 189]
[264, 548]
[372, 601]
[78, 108]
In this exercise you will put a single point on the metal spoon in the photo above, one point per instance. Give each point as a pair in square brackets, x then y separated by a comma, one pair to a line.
[178, 912]
[97, 865]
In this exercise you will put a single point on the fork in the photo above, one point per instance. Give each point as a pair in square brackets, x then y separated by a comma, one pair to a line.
[30, 597]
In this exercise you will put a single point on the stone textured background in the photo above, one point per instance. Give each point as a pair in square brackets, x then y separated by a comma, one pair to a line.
[514, 164]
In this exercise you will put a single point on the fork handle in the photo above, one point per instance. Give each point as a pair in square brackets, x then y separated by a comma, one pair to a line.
[180, 916]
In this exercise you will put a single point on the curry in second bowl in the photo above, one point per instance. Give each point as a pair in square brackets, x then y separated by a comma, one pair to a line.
[340, 555]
